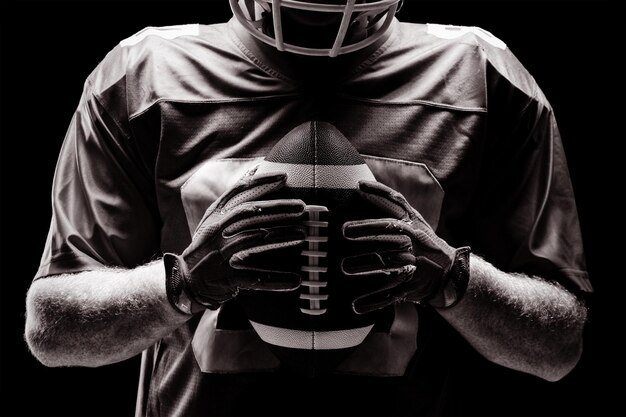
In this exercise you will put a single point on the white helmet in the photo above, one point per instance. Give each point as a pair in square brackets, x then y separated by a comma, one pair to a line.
[262, 19]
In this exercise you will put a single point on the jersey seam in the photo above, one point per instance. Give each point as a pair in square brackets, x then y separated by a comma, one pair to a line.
[407, 163]
[252, 58]
[378, 52]
[575, 270]
[98, 100]
[400, 161]
[416, 101]
[62, 257]
[210, 101]
[533, 95]
[580, 280]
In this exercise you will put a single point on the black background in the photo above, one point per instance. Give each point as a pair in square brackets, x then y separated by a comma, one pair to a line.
[575, 50]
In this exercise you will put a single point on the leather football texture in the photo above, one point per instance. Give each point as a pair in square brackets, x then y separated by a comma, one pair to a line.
[314, 328]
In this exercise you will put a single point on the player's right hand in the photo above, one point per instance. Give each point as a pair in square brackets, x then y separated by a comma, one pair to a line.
[242, 242]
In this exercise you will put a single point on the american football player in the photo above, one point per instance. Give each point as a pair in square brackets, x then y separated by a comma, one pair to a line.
[478, 248]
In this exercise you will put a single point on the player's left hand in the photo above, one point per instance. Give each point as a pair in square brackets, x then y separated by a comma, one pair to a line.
[404, 253]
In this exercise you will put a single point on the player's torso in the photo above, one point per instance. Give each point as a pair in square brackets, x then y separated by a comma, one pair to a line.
[416, 115]
[208, 117]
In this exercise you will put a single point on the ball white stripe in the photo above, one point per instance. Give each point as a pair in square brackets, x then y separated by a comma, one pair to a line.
[302, 339]
[319, 176]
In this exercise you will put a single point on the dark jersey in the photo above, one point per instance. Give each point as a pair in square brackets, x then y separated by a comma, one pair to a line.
[173, 116]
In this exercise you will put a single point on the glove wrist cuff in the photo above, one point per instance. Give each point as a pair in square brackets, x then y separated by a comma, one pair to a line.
[457, 280]
[176, 285]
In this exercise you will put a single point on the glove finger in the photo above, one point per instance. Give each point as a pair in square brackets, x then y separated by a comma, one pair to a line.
[279, 255]
[261, 214]
[265, 280]
[246, 189]
[423, 239]
[256, 240]
[282, 260]
[379, 262]
[250, 188]
[376, 230]
[422, 285]
[372, 302]
[386, 199]
[384, 295]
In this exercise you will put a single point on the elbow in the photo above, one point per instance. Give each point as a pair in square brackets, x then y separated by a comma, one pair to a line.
[39, 333]
[51, 349]
[561, 362]
[563, 349]
[46, 331]
[550, 362]
[40, 348]
[59, 331]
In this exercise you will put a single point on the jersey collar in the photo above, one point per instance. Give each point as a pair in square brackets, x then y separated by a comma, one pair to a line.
[306, 69]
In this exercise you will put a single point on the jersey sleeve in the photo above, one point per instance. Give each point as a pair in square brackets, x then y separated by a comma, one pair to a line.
[526, 210]
[104, 209]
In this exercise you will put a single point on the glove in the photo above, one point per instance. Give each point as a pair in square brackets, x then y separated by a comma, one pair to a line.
[239, 243]
[413, 262]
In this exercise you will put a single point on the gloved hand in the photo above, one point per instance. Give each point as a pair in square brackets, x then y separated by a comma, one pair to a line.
[404, 253]
[240, 243]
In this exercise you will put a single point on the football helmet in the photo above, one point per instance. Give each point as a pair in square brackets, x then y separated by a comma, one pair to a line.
[262, 19]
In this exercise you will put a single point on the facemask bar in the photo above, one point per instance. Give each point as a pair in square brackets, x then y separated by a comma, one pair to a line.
[252, 23]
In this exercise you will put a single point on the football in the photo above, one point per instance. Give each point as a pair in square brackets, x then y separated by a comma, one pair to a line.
[313, 329]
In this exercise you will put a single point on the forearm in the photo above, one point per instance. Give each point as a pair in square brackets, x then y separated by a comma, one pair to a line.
[520, 322]
[98, 317]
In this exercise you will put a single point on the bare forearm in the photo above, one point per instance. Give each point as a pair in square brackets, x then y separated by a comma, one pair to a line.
[98, 317]
[520, 322]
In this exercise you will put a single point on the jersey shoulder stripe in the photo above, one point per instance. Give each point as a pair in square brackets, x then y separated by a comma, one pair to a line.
[454, 32]
[165, 32]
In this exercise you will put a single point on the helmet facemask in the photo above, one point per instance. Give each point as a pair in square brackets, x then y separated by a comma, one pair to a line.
[351, 27]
